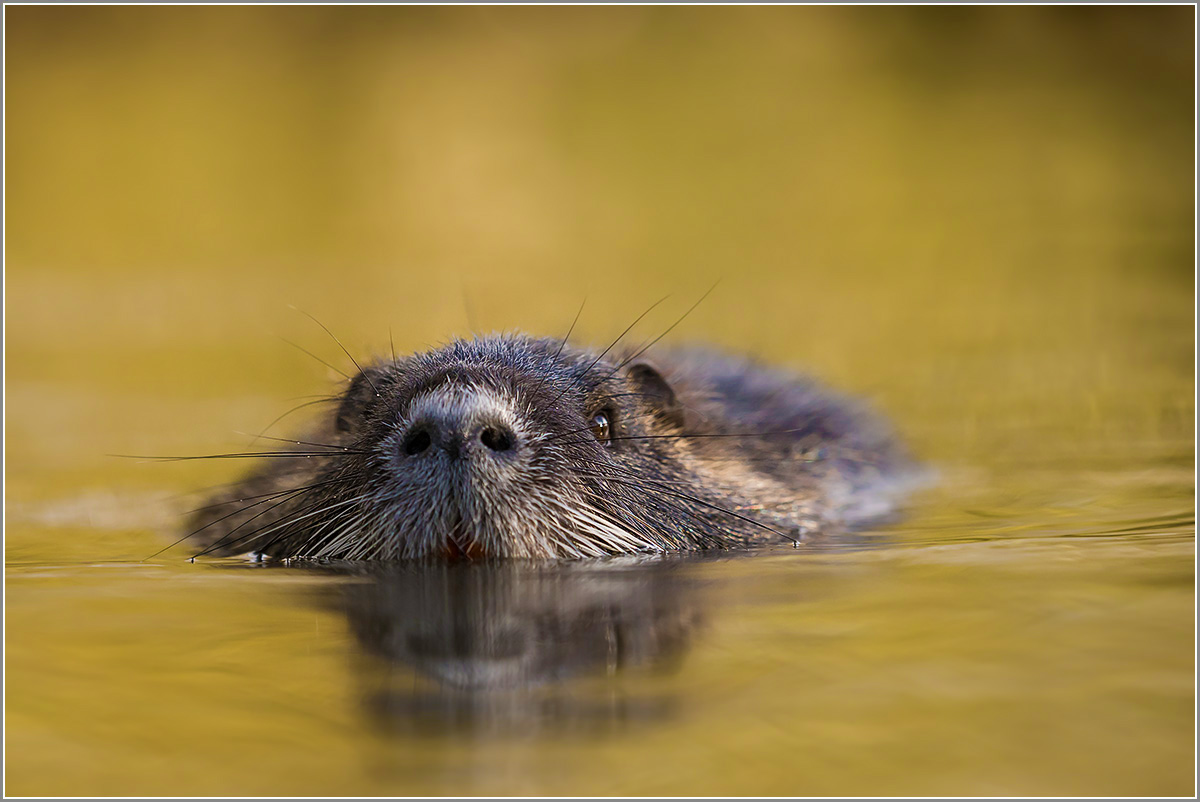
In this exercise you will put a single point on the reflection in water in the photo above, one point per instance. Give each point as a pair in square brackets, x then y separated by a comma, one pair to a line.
[518, 646]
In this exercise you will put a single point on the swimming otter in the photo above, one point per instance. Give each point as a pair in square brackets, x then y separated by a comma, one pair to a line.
[508, 446]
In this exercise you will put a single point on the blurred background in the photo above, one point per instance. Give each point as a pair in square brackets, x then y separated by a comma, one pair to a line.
[979, 218]
[891, 196]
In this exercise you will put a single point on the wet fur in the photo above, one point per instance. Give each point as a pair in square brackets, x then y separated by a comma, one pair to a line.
[708, 451]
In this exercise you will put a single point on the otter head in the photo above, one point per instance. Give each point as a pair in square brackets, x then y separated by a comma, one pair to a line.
[498, 447]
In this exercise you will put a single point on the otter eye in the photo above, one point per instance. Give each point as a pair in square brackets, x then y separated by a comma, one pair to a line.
[602, 428]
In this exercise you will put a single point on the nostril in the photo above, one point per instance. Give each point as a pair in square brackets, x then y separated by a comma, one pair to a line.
[497, 439]
[417, 441]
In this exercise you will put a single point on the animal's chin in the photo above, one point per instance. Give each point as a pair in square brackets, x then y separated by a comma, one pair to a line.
[461, 543]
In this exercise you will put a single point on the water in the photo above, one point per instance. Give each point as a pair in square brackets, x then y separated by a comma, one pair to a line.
[997, 255]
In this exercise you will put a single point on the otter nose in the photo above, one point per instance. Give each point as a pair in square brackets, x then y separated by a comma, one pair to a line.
[458, 433]
[498, 437]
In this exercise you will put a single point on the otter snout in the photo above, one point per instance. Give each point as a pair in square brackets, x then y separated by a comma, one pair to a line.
[459, 423]
[463, 447]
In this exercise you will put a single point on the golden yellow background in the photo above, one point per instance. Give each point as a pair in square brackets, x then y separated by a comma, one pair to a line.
[981, 218]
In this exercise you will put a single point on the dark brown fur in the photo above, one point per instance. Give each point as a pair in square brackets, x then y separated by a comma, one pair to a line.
[488, 448]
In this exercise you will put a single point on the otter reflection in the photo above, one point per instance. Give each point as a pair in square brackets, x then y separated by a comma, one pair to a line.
[519, 646]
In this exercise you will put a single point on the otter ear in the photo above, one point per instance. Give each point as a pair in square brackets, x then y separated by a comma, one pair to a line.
[358, 398]
[656, 392]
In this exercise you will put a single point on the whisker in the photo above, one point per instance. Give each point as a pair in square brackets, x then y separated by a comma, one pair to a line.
[303, 442]
[633, 475]
[211, 490]
[669, 328]
[562, 344]
[321, 400]
[716, 507]
[229, 537]
[468, 308]
[239, 500]
[696, 436]
[270, 497]
[567, 336]
[365, 375]
[242, 455]
[316, 546]
[314, 356]
[613, 344]
[653, 533]
[314, 509]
